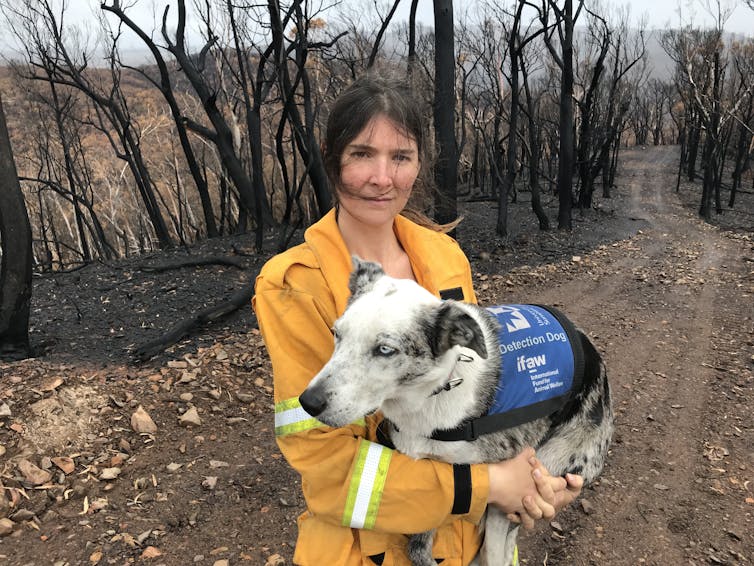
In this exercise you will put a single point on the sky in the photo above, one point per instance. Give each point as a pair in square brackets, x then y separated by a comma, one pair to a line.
[660, 14]
[664, 13]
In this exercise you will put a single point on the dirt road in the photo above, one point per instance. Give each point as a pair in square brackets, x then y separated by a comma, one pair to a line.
[669, 300]
[672, 309]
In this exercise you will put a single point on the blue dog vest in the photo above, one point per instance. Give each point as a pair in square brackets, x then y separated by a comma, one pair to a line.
[542, 361]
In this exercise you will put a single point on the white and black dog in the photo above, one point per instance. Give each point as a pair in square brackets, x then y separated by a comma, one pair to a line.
[431, 366]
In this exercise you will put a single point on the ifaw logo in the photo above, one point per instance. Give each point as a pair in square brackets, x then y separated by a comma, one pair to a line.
[515, 318]
[531, 364]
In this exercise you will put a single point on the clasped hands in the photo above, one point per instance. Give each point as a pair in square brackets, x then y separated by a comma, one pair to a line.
[524, 489]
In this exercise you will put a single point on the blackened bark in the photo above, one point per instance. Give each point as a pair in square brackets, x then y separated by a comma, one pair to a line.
[535, 145]
[253, 120]
[15, 264]
[446, 167]
[72, 185]
[695, 131]
[588, 150]
[564, 60]
[514, 51]
[412, 38]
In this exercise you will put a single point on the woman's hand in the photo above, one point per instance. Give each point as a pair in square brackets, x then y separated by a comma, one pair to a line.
[557, 492]
[515, 488]
[524, 489]
[565, 497]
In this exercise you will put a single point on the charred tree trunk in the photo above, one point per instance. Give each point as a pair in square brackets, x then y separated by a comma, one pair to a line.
[253, 110]
[587, 152]
[535, 147]
[446, 168]
[712, 146]
[303, 130]
[682, 161]
[741, 152]
[411, 64]
[222, 134]
[515, 50]
[566, 153]
[695, 134]
[16, 260]
[705, 208]
[68, 163]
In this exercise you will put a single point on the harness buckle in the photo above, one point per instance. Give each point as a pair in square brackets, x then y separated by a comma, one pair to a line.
[469, 431]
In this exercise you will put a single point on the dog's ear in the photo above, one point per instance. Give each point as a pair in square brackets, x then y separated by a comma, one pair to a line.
[363, 276]
[454, 327]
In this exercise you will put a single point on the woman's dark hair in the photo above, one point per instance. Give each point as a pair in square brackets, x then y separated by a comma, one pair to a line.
[366, 98]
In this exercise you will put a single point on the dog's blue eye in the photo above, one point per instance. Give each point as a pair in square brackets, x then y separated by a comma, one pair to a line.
[384, 350]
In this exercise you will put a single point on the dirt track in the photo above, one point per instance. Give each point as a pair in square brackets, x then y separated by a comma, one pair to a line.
[671, 307]
[672, 311]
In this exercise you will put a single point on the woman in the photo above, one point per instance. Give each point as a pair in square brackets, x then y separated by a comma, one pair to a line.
[362, 497]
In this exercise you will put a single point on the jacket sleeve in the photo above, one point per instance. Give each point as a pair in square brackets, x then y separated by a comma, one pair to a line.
[347, 479]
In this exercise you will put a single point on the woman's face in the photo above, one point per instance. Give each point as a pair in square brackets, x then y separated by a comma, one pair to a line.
[377, 172]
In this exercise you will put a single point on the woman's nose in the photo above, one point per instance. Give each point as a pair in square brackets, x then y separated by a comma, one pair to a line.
[381, 173]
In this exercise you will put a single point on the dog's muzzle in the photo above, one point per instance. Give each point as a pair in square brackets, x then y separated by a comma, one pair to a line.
[314, 401]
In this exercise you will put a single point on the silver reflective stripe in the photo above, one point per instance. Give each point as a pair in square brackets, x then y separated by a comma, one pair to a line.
[290, 417]
[367, 484]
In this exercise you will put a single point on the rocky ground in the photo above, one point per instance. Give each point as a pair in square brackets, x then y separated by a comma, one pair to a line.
[106, 460]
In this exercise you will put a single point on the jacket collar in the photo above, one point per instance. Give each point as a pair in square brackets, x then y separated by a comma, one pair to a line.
[334, 259]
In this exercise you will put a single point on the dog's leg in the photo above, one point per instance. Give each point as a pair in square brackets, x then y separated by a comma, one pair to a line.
[499, 546]
[420, 549]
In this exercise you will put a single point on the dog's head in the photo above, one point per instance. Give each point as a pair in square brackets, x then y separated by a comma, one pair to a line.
[395, 342]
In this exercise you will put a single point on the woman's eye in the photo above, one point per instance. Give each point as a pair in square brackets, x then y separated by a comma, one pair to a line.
[385, 350]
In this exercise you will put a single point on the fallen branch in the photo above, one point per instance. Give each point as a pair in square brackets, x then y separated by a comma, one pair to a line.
[192, 262]
[238, 250]
[187, 326]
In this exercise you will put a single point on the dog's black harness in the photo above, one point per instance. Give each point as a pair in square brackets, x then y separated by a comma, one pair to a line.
[542, 363]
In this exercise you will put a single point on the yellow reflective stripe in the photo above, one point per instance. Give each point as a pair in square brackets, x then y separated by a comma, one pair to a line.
[367, 484]
[290, 417]
[515, 556]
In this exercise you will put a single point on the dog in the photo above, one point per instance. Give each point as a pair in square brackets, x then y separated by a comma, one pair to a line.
[432, 367]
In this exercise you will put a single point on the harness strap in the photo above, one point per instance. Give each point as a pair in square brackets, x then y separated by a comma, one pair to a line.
[486, 424]
[473, 429]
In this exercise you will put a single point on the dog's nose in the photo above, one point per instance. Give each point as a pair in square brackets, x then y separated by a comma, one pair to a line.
[313, 401]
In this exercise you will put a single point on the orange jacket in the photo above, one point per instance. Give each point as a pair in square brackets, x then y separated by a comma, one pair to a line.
[362, 497]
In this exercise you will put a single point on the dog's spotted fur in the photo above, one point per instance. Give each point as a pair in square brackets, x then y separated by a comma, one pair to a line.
[397, 345]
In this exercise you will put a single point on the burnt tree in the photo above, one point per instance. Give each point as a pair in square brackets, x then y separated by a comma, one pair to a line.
[221, 132]
[564, 22]
[15, 256]
[516, 44]
[164, 85]
[50, 58]
[446, 167]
